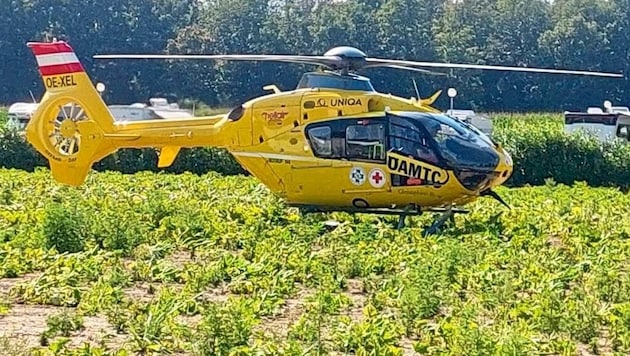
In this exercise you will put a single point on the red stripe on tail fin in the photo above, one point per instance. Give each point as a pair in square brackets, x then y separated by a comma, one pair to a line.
[61, 69]
[40, 48]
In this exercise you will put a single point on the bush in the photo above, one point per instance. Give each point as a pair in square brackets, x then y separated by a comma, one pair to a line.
[194, 160]
[3, 116]
[537, 143]
[16, 152]
[541, 150]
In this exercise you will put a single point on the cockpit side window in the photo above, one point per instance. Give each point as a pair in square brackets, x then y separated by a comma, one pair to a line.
[366, 141]
[320, 139]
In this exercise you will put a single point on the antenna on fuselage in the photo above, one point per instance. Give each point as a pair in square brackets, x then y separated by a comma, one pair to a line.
[416, 87]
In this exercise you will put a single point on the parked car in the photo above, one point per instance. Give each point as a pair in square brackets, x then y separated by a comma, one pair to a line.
[606, 126]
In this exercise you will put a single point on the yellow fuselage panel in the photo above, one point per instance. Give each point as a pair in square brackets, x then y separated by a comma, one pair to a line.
[284, 162]
[288, 167]
[274, 114]
[326, 104]
[309, 180]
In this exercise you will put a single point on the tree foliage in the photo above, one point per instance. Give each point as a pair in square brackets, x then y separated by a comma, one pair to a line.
[574, 34]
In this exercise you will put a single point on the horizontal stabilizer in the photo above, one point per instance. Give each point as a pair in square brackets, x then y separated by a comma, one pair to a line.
[167, 156]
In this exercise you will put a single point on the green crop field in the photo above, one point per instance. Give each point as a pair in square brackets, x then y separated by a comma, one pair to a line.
[208, 264]
[213, 264]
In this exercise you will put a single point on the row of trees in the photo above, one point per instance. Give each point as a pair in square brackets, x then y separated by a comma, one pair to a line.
[575, 34]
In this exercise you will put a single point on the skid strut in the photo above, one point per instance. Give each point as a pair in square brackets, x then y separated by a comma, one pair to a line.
[439, 222]
[448, 214]
[403, 216]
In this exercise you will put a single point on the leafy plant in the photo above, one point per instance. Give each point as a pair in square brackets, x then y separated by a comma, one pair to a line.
[547, 276]
[64, 228]
[63, 324]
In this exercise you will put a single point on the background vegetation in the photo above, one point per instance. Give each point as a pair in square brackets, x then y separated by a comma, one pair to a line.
[577, 34]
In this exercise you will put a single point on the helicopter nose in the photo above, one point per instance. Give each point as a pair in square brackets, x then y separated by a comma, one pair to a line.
[504, 168]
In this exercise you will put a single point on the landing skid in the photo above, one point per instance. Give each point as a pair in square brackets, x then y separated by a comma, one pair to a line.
[447, 214]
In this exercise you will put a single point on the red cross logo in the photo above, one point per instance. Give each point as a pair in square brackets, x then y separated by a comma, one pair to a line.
[377, 177]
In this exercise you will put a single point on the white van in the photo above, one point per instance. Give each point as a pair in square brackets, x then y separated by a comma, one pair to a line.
[19, 114]
[159, 108]
[606, 126]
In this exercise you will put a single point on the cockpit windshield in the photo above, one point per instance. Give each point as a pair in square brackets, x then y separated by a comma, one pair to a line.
[406, 138]
[459, 143]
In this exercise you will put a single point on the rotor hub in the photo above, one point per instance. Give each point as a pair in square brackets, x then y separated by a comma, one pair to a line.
[351, 58]
[346, 52]
[68, 129]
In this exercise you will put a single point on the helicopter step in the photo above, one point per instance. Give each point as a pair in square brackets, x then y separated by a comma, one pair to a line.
[447, 214]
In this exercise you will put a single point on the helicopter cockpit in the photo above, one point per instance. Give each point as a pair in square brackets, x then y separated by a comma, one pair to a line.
[437, 139]
[332, 80]
[460, 144]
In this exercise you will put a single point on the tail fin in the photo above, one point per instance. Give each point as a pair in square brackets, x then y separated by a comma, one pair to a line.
[71, 123]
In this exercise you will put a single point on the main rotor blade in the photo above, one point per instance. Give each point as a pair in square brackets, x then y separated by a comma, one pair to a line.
[369, 66]
[328, 61]
[489, 67]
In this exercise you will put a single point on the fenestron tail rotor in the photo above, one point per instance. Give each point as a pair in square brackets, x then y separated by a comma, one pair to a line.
[64, 133]
[73, 127]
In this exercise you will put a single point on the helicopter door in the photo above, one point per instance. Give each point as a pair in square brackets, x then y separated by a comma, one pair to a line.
[407, 140]
[341, 146]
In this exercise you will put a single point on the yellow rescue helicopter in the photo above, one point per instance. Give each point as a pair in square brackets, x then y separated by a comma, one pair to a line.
[332, 144]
